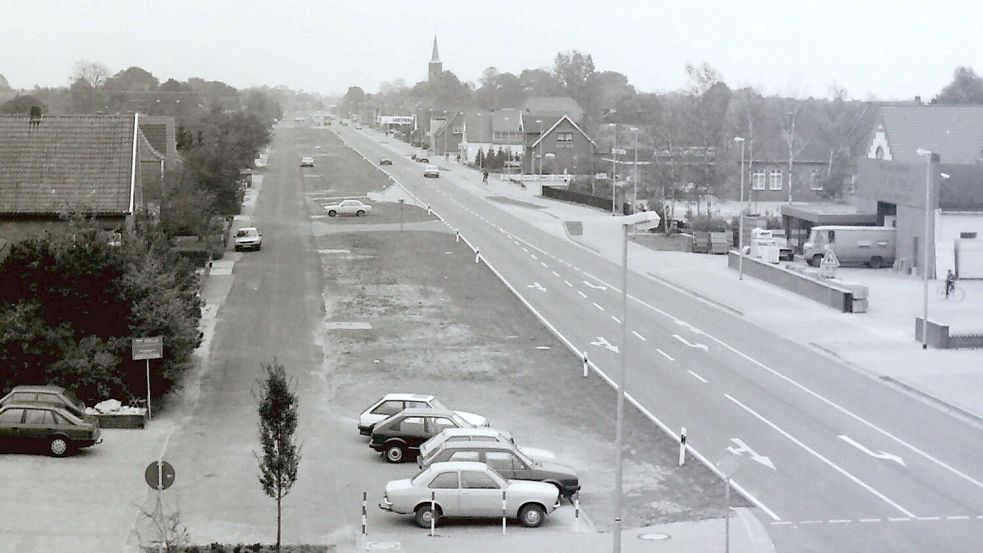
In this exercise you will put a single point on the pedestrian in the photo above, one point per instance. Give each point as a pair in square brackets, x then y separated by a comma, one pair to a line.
[950, 282]
[484, 179]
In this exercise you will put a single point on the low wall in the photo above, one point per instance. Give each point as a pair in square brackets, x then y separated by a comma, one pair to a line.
[827, 294]
[665, 242]
[939, 337]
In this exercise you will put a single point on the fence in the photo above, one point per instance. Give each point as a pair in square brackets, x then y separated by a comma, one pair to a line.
[577, 197]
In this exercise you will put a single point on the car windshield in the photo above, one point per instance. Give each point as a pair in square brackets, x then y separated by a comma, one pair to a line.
[461, 423]
[245, 232]
[432, 444]
[416, 479]
[436, 404]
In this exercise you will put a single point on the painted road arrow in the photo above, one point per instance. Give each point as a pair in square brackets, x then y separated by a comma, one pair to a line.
[594, 286]
[882, 455]
[536, 286]
[601, 342]
[704, 347]
[743, 448]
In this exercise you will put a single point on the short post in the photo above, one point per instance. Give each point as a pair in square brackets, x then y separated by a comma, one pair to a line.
[401, 202]
[429, 211]
[682, 446]
[150, 415]
[576, 512]
[586, 364]
[503, 512]
[727, 518]
[477, 256]
[433, 511]
[365, 535]
[457, 235]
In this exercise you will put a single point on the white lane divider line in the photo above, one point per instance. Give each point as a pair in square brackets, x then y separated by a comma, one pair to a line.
[598, 306]
[556, 274]
[696, 345]
[958, 517]
[898, 519]
[869, 520]
[698, 377]
[583, 295]
[532, 255]
[664, 354]
[839, 521]
[637, 335]
[544, 265]
[525, 250]
[821, 457]
[615, 319]
[928, 518]
[567, 282]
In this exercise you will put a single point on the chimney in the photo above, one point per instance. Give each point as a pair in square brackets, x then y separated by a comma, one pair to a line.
[918, 100]
[35, 116]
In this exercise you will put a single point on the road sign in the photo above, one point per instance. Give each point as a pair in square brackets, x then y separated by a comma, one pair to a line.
[620, 151]
[148, 348]
[159, 475]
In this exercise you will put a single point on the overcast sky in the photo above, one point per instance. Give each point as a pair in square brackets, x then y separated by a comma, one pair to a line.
[875, 49]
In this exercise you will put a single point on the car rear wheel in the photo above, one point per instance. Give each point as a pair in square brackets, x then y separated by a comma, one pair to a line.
[359, 213]
[816, 260]
[423, 515]
[395, 453]
[531, 516]
[332, 213]
[876, 262]
[58, 446]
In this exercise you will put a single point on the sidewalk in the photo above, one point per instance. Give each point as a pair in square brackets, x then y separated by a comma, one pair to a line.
[880, 342]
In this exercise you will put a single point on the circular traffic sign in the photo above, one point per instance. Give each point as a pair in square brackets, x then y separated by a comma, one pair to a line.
[159, 475]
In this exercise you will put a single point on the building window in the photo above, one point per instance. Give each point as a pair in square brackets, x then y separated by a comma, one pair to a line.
[775, 179]
[967, 235]
[564, 137]
[758, 179]
[879, 154]
[816, 181]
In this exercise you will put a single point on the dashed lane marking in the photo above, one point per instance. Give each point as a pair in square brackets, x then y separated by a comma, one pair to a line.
[664, 354]
[544, 265]
[637, 335]
[615, 319]
[696, 376]
[583, 295]
[598, 306]
[556, 274]
[567, 282]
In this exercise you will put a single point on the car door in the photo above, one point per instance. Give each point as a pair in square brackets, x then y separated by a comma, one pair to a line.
[414, 431]
[11, 420]
[480, 496]
[38, 424]
[446, 491]
[503, 462]
[347, 208]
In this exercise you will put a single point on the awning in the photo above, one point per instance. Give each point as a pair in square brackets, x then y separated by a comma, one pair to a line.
[829, 214]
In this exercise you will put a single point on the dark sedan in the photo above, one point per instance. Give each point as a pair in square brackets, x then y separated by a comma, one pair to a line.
[400, 436]
[53, 427]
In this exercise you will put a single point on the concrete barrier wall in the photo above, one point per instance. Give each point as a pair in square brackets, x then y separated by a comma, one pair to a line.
[822, 292]
[939, 337]
[665, 243]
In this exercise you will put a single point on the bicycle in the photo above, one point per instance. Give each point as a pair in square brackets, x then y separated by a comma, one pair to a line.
[957, 294]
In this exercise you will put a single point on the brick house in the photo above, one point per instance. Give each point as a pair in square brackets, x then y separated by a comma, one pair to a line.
[491, 131]
[562, 148]
[91, 165]
[447, 136]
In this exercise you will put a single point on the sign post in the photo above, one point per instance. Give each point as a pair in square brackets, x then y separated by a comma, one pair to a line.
[147, 349]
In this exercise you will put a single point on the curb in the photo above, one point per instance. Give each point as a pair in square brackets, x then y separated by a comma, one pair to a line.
[941, 403]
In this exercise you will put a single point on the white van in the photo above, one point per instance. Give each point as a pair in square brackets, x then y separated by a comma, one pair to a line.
[872, 246]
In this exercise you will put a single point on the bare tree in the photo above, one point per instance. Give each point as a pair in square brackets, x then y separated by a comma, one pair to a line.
[91, 72]
[709, 98]
[168, 531]
[749, 117]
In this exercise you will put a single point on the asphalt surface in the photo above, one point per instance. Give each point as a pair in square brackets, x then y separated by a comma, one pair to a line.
[835, 460]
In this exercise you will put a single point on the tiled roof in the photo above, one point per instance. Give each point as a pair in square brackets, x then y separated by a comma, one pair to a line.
[160, 132]
[553, 105]
[953, 132]
[64, 163]
[506, 120]
[529, 124]
[477, 125]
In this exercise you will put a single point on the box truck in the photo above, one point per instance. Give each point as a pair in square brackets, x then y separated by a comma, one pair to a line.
[871, 246]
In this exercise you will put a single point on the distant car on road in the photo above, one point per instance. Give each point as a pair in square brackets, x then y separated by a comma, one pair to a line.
[507, 461]
[431, 172]
[55, 427]
[248, 238]
[385, 161]
[482, 435]
[391, 404]
[468, 490]
[400, 435]
[348, 207]
[307, 161]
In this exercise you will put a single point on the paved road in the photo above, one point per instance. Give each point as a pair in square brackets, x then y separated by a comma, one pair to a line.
[835, 460]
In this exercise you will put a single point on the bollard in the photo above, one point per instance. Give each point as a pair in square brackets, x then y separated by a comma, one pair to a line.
[576, 512]
[586, 364]
[503, 512]
[365, 535]
[682, 446]
[433, 511]
[477, 256]
[457, 236]
[429, 212]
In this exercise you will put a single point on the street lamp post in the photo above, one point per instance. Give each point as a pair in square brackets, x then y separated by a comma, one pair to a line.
[740, 224]
[508, 150]
[638, 221]
[929, 158]
[614, 169]
[634, 177]
[540, 121]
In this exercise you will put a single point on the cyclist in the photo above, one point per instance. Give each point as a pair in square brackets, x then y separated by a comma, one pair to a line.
[950, 282]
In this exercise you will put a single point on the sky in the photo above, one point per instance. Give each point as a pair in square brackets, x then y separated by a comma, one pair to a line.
[875, 49]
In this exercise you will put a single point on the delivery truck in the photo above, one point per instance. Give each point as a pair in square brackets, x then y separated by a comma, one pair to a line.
[870, 246]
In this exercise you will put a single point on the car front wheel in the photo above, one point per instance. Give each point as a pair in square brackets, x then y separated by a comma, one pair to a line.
[531, 516]
[58, 446]
[423, 516]
[395, 453]
[332, 213]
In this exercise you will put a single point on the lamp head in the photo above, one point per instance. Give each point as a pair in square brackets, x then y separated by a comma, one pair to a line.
[738, 139]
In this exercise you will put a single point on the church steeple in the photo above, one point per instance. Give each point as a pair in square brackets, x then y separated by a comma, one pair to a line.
[435, 69]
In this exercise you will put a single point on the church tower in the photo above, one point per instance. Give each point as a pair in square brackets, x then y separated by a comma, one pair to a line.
[435, 69]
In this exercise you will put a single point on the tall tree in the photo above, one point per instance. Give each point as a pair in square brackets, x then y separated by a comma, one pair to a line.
[842, 124]
[709, 100]
[22, 105]
[539, 82]
[277, 427]
[966, 88]
[93, 72]
[4, 85]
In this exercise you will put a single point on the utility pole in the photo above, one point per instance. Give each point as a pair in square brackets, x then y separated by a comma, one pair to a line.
[614, 170]
[791, 151]
[634, 178]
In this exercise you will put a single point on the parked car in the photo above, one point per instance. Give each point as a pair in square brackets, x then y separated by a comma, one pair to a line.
[248, 238]
[483, 435]
[307, 161]
[431, 172]
[385, 161]
[468, 490]
[399, 436]
[53, 426]
[423, 158]
[50, 395]
[507, 461]
[391, 404]
[348, 207]
[872, 246]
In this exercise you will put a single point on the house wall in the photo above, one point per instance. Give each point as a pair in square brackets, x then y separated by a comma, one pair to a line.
[16, 229]
[572, 157]
[950, 227]
[802, 181]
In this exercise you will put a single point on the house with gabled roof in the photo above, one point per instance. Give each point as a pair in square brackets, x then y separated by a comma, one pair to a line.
[491, 131]
[446, 137]
[553, 106]
[556, 145]
[86, 165]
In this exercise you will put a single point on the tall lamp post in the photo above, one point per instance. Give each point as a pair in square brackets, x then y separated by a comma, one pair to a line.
[614, 169]
[740, 224]
[508, 149]
[638, 222]
[929, 158]
[540, 121]
[634, 176]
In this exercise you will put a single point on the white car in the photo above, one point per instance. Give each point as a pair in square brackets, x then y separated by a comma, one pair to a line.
[248, 238]
[469, 490]
[348, 207]
[484, 434]
[431, 172]
[307, 161]
[390, 404]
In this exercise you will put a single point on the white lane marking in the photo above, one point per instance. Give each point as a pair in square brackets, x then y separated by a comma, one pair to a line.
[544, 265]
[602, 342]
[839, 521]
[583, 295]
[822, 458]
[929, 518]
[615, 319]
[881, 455]
[869, 520]
[525, 250]
[698, 377]
[567, 282]
[536, 286]
[532, 255]
[958, 517]
[743, 448]
[556, 274]
[781, 523]
[898, 519]
[598, 306]
[639, 336]
[594, 286]
[664, 354]
[696, 345]
[810, 522]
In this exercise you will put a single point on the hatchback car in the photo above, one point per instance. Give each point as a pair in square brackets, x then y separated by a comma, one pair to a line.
[348, 207]
[485, 435]
[51, 395]
[431, 172]
[385, 161]
[468, 490]
[507, 461]
[390, 404]
[56, 428]
[248, 238]
[307, 161]
[400, 436]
